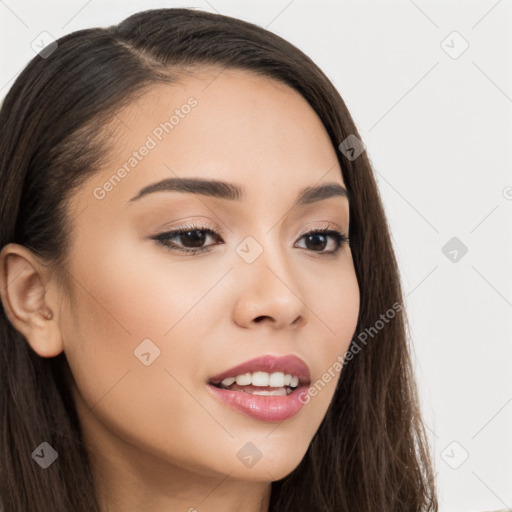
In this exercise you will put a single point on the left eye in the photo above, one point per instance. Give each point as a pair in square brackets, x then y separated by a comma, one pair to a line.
[195, 237]
[320, 237]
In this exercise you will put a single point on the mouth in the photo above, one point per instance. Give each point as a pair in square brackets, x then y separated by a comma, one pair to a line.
[267, 388]
[261, 383]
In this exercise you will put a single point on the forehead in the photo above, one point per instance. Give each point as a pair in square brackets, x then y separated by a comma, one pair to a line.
[231, 125]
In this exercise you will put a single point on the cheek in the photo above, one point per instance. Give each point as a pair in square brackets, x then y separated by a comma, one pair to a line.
[122, 302]
[138, 289]
[334, 302]
[131, 302]
[331, 295]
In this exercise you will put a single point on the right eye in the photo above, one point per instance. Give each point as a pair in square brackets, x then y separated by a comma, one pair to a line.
[193, 235]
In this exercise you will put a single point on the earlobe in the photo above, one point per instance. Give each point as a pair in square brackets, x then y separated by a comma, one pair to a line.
[23, 290]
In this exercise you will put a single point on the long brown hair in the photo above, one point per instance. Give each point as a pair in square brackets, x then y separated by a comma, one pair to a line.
[370, 452]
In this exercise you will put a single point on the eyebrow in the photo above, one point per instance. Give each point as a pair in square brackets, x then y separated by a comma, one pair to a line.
[232, 192]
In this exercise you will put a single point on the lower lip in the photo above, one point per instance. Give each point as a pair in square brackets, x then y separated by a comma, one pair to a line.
[262, 407]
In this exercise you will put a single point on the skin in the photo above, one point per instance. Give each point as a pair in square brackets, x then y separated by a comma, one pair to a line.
[159, 441]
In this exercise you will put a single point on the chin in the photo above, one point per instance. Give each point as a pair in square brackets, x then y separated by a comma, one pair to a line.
[268, 461]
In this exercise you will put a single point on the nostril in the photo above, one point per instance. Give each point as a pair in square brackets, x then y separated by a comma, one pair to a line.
[258, 319]
[299, 321]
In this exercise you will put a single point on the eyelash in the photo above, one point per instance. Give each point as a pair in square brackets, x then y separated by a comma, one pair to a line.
[164, 238]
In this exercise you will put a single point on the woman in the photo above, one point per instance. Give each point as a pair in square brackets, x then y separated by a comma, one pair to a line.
[201, 305]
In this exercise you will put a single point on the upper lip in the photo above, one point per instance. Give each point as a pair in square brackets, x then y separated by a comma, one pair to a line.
[291, 364]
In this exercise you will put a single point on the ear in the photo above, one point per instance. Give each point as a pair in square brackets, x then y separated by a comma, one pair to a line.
[24, 283]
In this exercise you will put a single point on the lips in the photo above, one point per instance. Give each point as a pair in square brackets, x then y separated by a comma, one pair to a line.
[260, 407]
[267, 363]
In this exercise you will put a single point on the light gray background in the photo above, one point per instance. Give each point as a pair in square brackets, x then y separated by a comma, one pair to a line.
[438, 130]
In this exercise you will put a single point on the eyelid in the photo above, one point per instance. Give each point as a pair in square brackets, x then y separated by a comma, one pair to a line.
[195, 223]
[322, 225]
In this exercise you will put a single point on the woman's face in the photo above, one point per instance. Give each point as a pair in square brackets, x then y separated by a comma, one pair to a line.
[151, 325]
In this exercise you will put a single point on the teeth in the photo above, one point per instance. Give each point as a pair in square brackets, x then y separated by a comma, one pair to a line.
[274, 392]
[244, 380]
[276, 380]
[260, 379]
[263, 379]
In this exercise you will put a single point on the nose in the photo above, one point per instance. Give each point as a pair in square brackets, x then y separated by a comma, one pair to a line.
[268, 292]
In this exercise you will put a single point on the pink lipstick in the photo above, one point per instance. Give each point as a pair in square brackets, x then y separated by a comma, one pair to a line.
[267, 388]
